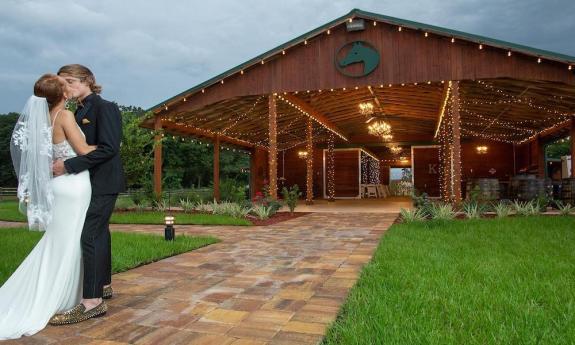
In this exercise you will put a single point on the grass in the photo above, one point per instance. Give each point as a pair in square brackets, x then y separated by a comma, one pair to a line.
[487, 281]
[129, 250]
[9, 212]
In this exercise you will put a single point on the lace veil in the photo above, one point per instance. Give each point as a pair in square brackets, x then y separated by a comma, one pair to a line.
[31, 150]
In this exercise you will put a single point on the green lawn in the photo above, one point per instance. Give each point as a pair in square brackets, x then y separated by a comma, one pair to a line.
[129, 250]
[508, 281]
[9, 212]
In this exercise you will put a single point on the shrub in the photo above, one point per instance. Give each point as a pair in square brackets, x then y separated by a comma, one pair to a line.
[124, 203]
[413, 215]
[291, 196]
[542, 202]
[442, 211]
[232, 190]
[502, 209]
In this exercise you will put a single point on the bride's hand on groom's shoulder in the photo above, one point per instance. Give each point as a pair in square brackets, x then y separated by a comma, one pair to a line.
[58, 168]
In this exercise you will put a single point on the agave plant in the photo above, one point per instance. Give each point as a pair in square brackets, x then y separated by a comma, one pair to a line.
[161, 205]
[472, 210]
[564, 209]
[527, 208]
[187, 205]
[502, 209]
[261, 211]
[238, 211]
[200, 206]
[442, 211]
[412, 215]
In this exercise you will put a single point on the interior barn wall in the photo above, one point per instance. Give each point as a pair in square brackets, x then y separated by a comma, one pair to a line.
[346, 173]
[496, 163]
[258, 170]
[295, 170]
[426, 170]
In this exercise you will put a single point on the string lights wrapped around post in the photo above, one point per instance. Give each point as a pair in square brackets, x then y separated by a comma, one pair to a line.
[309, 163]
[273, 150]
[330, 167]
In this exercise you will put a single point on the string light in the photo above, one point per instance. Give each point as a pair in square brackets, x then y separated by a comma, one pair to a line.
[309, 162]
[331, 167]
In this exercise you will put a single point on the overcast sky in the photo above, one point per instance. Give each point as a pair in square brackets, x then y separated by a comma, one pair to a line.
[143, 52]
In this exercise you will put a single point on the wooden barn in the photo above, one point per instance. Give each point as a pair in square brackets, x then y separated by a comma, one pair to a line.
[338, 108]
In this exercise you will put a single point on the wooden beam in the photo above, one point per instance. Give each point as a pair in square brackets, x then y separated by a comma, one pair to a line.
[158, 156]
[195, 131]
[309, 162]
[273, 150]
[316, 115]
[217, 168]
[456, 151]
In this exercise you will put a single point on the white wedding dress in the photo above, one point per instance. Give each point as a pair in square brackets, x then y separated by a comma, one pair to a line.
[49, 280]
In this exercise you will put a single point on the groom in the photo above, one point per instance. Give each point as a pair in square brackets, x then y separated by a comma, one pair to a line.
[101, 122]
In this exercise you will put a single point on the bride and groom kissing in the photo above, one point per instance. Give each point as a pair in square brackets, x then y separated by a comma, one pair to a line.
[69, 175]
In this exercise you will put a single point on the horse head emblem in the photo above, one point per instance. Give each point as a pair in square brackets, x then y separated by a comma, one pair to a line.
[354, 53]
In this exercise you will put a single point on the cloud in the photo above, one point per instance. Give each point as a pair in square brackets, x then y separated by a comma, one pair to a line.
[143, 52]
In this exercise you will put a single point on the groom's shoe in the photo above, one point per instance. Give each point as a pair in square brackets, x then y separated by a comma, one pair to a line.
[78, 314]
[108, 292]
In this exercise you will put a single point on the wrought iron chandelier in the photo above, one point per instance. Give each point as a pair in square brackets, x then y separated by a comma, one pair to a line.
[366, 108]
[395, 149]
[381, 129]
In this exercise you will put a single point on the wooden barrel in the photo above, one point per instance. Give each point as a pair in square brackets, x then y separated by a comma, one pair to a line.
[568, 190]
[529, 187]
[487, 189]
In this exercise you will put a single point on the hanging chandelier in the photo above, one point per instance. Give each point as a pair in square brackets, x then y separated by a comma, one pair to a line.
[381, 129]
[366, 108]
[395, 149]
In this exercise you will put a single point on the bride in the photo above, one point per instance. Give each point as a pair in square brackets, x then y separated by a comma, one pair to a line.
[49, 279]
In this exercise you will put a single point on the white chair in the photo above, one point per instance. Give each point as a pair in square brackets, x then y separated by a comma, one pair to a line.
[371, 190]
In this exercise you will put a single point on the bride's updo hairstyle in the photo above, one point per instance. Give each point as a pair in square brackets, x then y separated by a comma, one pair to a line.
[50, 87]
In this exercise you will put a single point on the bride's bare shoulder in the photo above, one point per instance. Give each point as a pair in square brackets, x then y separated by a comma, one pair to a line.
[65, 116]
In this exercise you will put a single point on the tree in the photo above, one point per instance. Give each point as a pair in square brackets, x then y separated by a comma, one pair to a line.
[137, 148]
[7, 175]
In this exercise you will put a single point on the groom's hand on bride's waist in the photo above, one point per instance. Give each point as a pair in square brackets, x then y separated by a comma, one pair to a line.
[58, 168]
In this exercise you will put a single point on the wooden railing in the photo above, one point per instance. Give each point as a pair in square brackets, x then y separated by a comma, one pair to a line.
[8, 193]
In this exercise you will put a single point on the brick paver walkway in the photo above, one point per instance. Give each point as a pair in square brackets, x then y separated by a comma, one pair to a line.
[279, 284]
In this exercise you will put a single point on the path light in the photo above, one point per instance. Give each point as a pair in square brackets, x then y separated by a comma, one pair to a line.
[169, 232]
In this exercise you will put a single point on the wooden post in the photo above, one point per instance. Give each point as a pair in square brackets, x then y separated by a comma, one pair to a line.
[572, 134]
[273, 149]
[309, 163]
[158, 156]
[330, 168]
[456, 150]
[217, 168]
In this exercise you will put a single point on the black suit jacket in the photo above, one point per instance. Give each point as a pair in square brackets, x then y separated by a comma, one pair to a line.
[101, 122]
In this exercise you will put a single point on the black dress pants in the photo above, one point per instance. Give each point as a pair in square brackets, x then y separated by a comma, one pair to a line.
[96, 245]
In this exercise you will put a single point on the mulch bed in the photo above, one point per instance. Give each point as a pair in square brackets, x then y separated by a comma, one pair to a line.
[276, 218]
